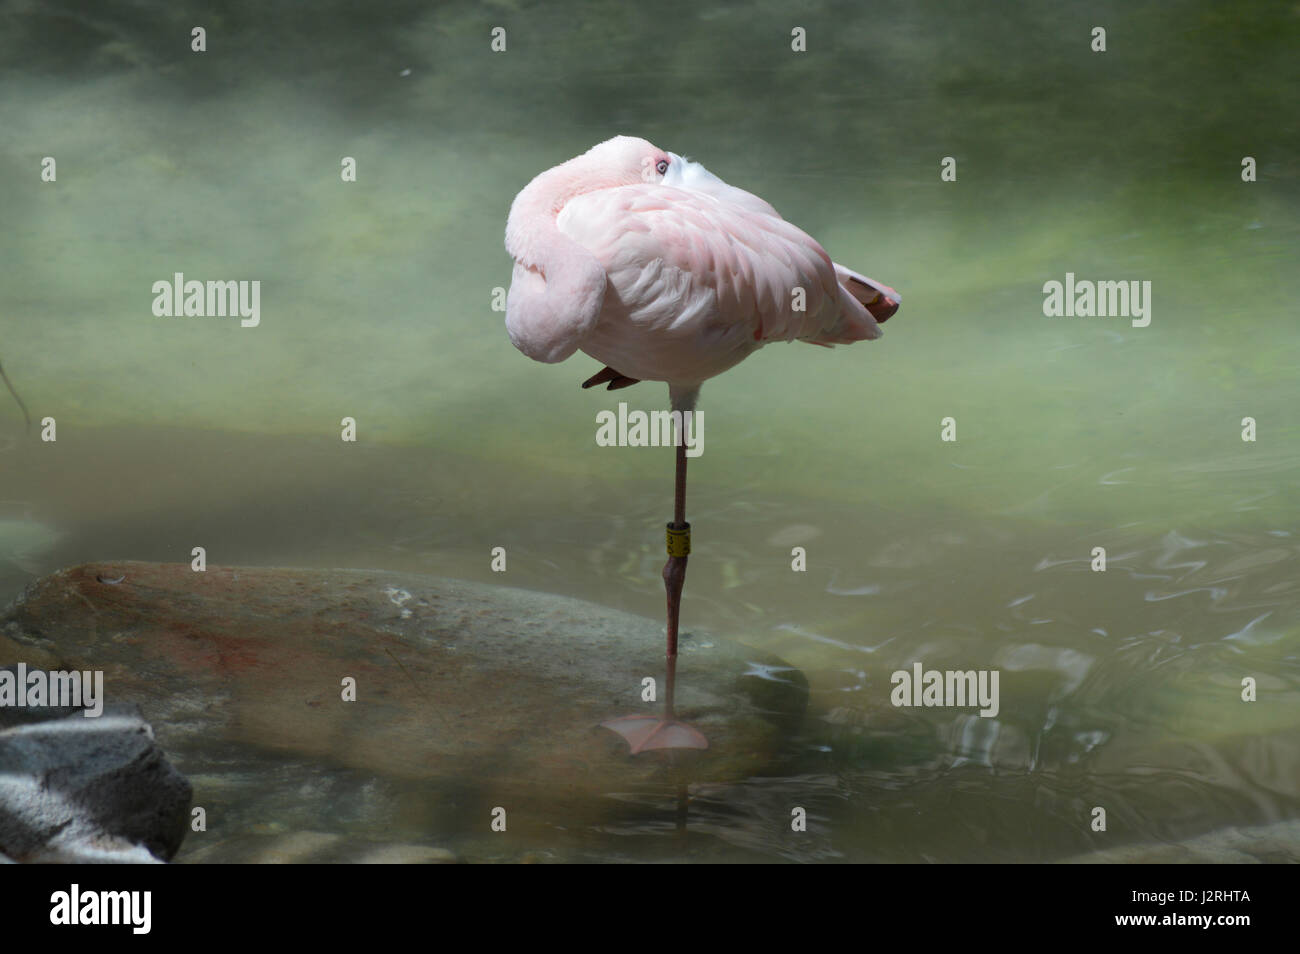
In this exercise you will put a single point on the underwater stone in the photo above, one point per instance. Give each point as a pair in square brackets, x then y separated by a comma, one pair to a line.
[1274, 843]
[502, 687]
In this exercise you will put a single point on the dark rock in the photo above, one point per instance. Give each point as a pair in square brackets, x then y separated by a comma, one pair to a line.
[87, 789]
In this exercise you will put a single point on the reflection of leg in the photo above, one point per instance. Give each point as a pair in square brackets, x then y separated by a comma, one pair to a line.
[674, 578]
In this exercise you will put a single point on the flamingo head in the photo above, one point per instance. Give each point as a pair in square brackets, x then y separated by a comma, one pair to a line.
[626, 160]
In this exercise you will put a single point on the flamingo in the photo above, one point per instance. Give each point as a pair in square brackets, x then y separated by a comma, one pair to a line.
[655, 267]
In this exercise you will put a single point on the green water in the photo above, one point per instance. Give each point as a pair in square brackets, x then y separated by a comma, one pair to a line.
[1119, 688]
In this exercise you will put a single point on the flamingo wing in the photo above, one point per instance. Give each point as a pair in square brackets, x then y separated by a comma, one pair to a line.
[708, 256]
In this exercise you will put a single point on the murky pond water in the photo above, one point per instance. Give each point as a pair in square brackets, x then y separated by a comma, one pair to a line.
[1120, 688]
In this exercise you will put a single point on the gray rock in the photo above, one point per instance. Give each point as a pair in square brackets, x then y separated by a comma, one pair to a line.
[75, 789]
[92, 850]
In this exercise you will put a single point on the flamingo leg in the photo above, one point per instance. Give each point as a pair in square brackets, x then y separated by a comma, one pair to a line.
[675, 578]
[665, 732]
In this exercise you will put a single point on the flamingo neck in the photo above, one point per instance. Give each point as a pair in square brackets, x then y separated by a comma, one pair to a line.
[531, 228]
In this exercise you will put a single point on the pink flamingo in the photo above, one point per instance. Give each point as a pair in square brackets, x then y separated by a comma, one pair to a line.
[661, 271]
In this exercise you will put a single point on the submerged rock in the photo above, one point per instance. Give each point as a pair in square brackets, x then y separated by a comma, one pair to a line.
[312, 847]
[495, 692]
[1277, 843]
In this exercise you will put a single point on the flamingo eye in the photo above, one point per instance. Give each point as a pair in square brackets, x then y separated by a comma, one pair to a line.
[661, 167]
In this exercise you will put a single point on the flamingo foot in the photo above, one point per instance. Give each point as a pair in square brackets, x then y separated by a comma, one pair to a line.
[616, 381]
[646, 732]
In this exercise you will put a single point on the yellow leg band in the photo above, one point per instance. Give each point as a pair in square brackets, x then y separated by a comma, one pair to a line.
[679, 540]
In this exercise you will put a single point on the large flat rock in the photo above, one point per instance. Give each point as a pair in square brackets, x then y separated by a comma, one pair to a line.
[496, 688]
